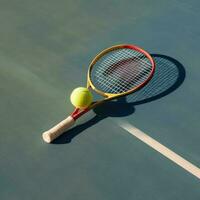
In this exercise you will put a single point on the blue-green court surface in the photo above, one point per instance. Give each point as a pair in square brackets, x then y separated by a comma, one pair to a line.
[45, 49]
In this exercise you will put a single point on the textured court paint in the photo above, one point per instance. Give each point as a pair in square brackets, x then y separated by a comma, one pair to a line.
[44, 44]
[189, 167]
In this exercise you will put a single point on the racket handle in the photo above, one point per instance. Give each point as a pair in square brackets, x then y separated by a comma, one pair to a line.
[57, 130]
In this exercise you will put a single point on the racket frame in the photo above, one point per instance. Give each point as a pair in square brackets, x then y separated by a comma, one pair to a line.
[109, 96]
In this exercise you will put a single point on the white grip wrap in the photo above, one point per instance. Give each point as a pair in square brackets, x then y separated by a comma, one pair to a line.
[57, 130]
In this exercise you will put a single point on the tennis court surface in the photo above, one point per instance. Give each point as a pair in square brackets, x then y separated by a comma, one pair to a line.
[143, 146]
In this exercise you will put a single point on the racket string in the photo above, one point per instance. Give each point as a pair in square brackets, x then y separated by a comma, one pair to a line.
[110, 71]
[121, 84]
[125, 79]
[122, 81]
[133, 54]
[119, 87]
[120, 71]
[109, 60]
[124, 62]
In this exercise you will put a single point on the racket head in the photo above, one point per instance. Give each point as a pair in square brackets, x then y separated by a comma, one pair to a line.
[120, 70]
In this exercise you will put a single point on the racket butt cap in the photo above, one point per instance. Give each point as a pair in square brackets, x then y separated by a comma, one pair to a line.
[46, 137]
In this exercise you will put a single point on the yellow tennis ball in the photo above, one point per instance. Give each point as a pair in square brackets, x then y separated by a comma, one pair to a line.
[81, 97]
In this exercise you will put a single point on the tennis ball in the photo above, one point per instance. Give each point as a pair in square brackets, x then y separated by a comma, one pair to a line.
[81, 97]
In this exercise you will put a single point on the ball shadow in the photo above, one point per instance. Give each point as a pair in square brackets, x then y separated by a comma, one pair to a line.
[169, 75]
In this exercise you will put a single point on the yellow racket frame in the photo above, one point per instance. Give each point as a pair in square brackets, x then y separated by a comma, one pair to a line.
[105, 51]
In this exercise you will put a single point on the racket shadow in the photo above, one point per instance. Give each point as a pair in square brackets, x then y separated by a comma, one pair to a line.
[117, 108]
[169, 76]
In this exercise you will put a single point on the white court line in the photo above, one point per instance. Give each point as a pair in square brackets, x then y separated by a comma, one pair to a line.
[161, 148]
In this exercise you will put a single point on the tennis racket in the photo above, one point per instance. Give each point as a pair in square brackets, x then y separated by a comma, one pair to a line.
[116, 71]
